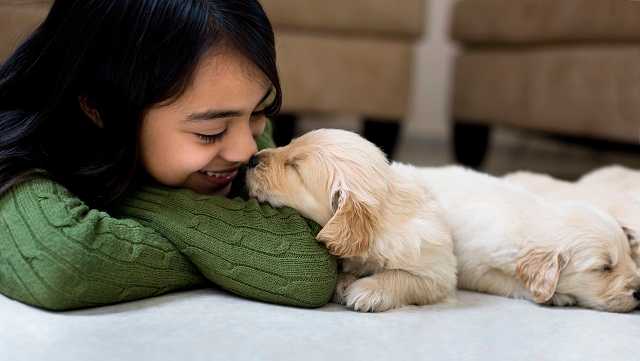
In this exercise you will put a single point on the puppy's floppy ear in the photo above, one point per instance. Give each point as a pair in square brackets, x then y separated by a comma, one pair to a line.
[539, 270]
[348, 233]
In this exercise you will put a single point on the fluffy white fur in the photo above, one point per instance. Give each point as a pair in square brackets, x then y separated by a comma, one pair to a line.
[512, 242]
[395, 246]
[615, 190]
[393, 226]
[615, 178]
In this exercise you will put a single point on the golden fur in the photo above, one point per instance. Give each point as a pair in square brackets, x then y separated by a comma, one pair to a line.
[394, 227]
[395, 247]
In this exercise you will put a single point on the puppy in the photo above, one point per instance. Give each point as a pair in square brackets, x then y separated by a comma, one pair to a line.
[607, 189]
[385, 223]
[511, 242]
[395, 247]
[615, 178]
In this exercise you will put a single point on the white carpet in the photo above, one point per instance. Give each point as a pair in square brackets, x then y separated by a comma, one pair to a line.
[212, 325]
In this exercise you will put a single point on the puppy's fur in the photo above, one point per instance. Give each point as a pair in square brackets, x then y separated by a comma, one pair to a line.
[511, 242]
[390, 224]
[609, 189]
[395, 245]
[615, 178]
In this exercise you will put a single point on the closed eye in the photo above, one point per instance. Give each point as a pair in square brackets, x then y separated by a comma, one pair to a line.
[294, 165]
[291, 164]
[210, 139]
[607, 268]
[213, 138]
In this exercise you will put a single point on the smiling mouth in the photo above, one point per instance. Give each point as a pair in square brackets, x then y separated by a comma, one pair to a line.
[224, 174]
[219, 179]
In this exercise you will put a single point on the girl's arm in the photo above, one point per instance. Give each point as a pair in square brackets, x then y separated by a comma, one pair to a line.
[253, 250]
[57, 254]
[250, 249]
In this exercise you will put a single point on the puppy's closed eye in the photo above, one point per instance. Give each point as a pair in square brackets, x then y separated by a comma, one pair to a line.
[294, 161]
[292, 164]
[607, 268]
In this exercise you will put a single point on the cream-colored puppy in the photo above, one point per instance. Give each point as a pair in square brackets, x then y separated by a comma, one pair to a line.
[617, 189]
[384, 221]
[609, 189]
[615, 178]
[395, 246]
[511, 242]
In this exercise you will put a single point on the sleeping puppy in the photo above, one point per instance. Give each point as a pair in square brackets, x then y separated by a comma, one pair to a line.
[615, 178]
[606, 189]
[511, 242]
[389, 224]
[620, 187]
[395, 246]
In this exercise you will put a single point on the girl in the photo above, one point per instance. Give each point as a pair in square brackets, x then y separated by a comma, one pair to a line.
[123, 126]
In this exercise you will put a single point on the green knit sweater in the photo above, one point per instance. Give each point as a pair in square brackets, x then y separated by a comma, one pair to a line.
[58, 254]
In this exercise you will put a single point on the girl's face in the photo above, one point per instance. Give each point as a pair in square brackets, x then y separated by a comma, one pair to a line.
[200, 140]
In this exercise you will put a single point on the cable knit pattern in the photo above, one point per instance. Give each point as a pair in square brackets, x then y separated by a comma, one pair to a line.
[57, 254]
[250, 249]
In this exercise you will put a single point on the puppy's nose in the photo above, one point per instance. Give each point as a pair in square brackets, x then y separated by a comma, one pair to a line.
[253, 161]
[636, 295]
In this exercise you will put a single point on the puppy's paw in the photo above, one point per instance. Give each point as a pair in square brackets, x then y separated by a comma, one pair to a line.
[367, 295]
[562, 300]
[344, 281]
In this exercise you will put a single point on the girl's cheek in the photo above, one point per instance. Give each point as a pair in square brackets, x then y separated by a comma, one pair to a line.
[199, 157]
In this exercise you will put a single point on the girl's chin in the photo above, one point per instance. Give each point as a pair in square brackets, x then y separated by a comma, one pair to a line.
[223, 191]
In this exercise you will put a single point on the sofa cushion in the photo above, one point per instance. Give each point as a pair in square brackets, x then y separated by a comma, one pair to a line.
[24, 17]
[328, 74]
[361, 17]
[545, 21]
[581, 91]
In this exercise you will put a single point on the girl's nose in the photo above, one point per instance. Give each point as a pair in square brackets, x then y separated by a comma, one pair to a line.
[241, 146]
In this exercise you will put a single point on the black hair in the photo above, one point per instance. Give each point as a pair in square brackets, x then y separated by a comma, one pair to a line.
[123, 57]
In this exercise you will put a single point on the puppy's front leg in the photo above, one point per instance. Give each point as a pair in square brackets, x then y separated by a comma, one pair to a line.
[392, 289]
[345, 280]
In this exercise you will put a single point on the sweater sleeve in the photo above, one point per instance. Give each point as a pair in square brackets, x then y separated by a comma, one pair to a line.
[57, 254]
[245, 247]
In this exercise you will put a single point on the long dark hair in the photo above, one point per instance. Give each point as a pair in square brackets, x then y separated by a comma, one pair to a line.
[123, 57]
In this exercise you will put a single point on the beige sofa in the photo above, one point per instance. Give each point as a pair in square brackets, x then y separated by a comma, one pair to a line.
[17, 19]
[567, 67]
[350, 57]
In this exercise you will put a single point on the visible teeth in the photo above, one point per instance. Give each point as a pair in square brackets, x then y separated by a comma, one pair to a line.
[214, 174]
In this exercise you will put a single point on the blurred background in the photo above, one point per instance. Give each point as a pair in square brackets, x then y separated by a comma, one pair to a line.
[546, 85]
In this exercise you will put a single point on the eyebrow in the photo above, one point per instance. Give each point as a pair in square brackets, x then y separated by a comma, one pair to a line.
[221, 114]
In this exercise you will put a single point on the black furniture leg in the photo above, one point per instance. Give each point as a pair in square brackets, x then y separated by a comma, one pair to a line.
[384, 133]
[470, 142]
[284, 128]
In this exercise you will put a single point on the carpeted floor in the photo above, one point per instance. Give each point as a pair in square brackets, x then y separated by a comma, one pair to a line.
[213, 325]
[521, 151]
